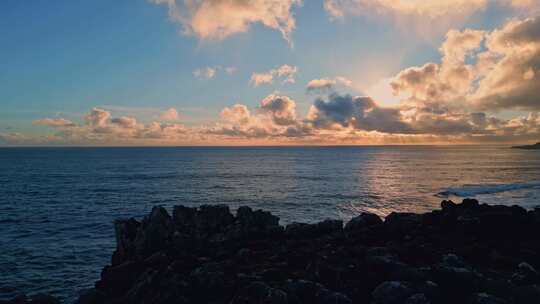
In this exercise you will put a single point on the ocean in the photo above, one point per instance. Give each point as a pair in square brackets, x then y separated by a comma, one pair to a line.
[57, 205]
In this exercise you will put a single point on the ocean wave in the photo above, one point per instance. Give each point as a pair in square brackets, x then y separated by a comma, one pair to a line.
[479, 189]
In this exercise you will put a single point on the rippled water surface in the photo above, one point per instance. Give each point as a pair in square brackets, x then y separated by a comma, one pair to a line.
[57, 204]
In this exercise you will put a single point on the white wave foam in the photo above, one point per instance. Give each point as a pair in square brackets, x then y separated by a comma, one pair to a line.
[479, 189]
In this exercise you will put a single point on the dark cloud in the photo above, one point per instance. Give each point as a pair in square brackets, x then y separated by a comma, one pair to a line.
[357, 112]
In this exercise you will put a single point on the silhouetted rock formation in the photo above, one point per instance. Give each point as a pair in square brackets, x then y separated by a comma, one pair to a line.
[529, 147]
[463, 253]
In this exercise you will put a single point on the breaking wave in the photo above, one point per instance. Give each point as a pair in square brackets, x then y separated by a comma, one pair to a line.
[479, 189]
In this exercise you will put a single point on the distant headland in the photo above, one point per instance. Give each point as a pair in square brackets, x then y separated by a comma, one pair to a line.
[536, 146]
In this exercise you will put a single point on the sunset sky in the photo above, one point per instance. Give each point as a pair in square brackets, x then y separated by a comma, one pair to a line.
[269, 72]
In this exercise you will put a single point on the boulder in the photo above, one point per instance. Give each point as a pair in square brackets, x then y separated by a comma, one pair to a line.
[125, 232]
[525, 275]
[155, 232]
[259, 292]
[418, 298]
[213, 218]
[391, 292]
[484, 298]
[361, 222]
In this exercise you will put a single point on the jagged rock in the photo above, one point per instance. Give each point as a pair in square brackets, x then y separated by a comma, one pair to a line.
[154, 233]
[213, 218]
[484, 298]
[208, 255]
[334, 298]
[448, 205]
[455, 278]
[527, 294]
[361, 222]
[253, 223]
[184, 217]
[302, 291]
[418, 298]
[525, 275]
[125, 232]
[391, 292]
[259, 292]
[118, 279]
[469, 203]
[402, 223]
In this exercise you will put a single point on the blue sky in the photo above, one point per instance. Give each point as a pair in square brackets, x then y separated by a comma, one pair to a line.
[63, 58]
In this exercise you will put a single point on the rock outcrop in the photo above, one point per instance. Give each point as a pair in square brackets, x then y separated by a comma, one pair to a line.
[463, 253]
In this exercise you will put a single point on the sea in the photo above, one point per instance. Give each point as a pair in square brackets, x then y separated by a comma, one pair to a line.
[57, 205]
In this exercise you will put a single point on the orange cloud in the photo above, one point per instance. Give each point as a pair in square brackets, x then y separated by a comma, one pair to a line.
[219, 19]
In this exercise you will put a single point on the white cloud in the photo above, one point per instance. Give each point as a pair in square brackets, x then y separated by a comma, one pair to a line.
[205, 73]
[219, 19]
[285, 73]
[327, 84]
[170, 114]
[54, 122]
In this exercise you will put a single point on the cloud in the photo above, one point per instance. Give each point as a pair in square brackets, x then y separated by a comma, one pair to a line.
[97, 117]
[274, 118]
[511, 79]
[285, 73]
[428, 9]
[237, 114]
[425, 18]
[125, 122]
[360, 113]
[207, 73]
[282, 109]
[54, 122]
[486, 71]
[170, 114]
[327, 84]
[219, 19]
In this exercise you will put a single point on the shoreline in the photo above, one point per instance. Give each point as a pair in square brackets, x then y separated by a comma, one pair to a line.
[462, 253]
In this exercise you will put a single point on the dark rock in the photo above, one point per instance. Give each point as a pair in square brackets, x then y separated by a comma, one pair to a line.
[391, 292]
[90, 296]
[334, 298]
[469, 203]
[208, 255]
[418, 298]
[155, 232]
[184, 217]
[259, 292]
[213, 218]
[400, 224]
[525, 275]
[527, 294]
[125, 232]
[448, 205]
[256, 223]
[484, 298]
[362, 222]
[302, 291]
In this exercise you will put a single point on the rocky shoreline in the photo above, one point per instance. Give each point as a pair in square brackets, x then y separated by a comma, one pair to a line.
[463, 253]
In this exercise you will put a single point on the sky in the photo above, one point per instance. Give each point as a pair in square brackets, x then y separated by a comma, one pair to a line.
[269, 72]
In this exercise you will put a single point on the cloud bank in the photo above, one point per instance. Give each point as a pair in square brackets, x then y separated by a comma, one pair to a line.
[459, 99]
